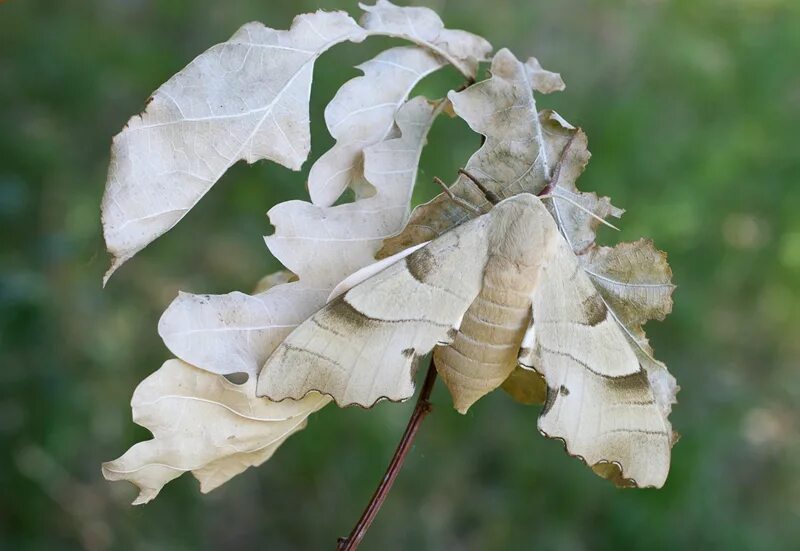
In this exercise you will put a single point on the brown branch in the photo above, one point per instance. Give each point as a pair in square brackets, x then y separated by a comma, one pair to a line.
[421, 409]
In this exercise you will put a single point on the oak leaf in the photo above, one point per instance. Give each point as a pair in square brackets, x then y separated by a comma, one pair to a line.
[516, 157]
[361, 114]
[244, 99]
[423, 26]
[203, 424]
[322, 245]
[506, 288]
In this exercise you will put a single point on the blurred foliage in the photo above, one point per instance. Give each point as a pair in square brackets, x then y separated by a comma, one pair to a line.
[692, 109]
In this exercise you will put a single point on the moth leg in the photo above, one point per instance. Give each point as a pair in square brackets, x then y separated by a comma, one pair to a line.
[453, 197]
[491, 196]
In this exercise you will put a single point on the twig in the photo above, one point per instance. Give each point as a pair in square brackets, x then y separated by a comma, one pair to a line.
[421, 409]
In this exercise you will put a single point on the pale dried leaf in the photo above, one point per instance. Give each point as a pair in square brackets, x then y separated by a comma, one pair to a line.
[325, 244]
[362, 113]
[322, 245]
[424, 27]
[634, 279]
[204, 424]
[515, 158]
[577, 213]
[542, 80]
[271, 280]
[235, 332]
[244, 99]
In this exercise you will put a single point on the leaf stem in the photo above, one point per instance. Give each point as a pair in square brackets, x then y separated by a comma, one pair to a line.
[421, 409]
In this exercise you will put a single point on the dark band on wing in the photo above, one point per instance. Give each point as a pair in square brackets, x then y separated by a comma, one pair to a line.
[346, 313]
[595, 310]
[420, 263]
[622, 382]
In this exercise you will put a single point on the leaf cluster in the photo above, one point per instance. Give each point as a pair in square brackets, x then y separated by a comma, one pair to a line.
[604, 394]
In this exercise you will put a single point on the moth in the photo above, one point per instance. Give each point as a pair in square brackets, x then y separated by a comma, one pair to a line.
[499, 291]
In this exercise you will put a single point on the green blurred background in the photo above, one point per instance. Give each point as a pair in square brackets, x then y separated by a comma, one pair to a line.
[692, 110]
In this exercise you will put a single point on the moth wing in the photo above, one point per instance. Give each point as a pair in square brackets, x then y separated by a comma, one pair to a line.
[362, 346]
[599, 398]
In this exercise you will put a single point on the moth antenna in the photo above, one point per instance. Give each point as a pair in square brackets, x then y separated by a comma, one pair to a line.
[491, 196]
[453, 197]
[584, 209]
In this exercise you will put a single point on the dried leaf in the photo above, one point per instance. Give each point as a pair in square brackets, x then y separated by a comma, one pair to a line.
[577, 213]
[362, 113]
[204, 424]
[332, 242]
[542, 80]
[423, 26]
[635, 280]
[515, 158]
[271, 280]
[244, 99]
[322, 245]
[235, 332]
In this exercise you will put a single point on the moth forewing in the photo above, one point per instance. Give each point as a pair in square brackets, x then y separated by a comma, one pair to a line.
[362, 346]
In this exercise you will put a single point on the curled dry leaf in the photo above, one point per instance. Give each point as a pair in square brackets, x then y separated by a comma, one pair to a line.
[204, 424]
[330, 243]
[515, 158]
[242, 330]
[322, 245]
[519, 297]
[244, 99]
[361, 114]
[235, 332]
[423, 26]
